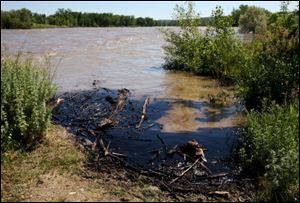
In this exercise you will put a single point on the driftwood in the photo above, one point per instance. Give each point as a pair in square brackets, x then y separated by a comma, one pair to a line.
[143, 112]
[184, 172]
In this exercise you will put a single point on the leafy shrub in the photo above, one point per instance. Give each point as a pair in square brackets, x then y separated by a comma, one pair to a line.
[253, 20]
[215, 53]
[25, 89]
[274, 71]
[271, 148]
[181, 52]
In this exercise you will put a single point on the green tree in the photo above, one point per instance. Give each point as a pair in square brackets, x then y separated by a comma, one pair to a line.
[236, 14]
[254, 20]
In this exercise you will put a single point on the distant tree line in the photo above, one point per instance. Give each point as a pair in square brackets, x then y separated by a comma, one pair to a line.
[25, 19]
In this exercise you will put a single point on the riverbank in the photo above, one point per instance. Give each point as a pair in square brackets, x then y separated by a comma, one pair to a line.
[60, 170]
[65, 168]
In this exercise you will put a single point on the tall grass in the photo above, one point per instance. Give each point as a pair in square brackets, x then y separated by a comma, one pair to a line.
[25, 89]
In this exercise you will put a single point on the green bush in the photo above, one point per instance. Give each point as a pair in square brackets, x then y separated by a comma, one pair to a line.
[253, 20]
[274, 70]
[271, 148]
[181, 52]
[216, 52]
[25, 89]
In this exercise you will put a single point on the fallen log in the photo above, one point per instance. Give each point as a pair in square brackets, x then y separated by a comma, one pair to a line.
[143, 112]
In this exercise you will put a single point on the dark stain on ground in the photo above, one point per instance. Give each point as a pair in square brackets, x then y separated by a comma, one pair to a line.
[146, 147]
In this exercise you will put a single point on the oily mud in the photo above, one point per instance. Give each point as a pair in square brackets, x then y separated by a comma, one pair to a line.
[121, 130]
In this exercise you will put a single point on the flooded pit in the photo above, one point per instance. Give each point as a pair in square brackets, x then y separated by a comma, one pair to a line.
[180, 103]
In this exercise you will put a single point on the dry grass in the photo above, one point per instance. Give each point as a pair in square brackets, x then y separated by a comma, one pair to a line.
[56, 171]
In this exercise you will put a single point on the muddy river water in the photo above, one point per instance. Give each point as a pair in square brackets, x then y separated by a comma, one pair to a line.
[131, 58]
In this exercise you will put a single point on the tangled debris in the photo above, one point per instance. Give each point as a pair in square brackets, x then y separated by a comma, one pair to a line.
[178, 168]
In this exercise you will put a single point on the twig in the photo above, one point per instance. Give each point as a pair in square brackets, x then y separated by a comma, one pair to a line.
[205, 168]
[149, 126]
[184, 172]
[139, 139]
[219, 193]
[218, 175]
[105, 149]
[143, 112]
[118, 154]
[162, 141]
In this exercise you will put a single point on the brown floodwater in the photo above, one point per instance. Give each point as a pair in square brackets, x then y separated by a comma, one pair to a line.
[124, 58]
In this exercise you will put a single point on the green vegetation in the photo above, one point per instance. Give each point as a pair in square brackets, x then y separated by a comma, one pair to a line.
[236, 14]
[266, 73]
[25, 89]
[271, 150]
[216, 52]
[25, 19]
[273, 69]
[253, 20]
[16, 19]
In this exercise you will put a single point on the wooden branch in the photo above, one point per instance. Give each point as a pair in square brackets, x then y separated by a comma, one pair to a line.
[118, 154]
[184, 172]
[143, 112]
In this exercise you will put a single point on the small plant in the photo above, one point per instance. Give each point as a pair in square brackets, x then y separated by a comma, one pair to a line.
[25, 89]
